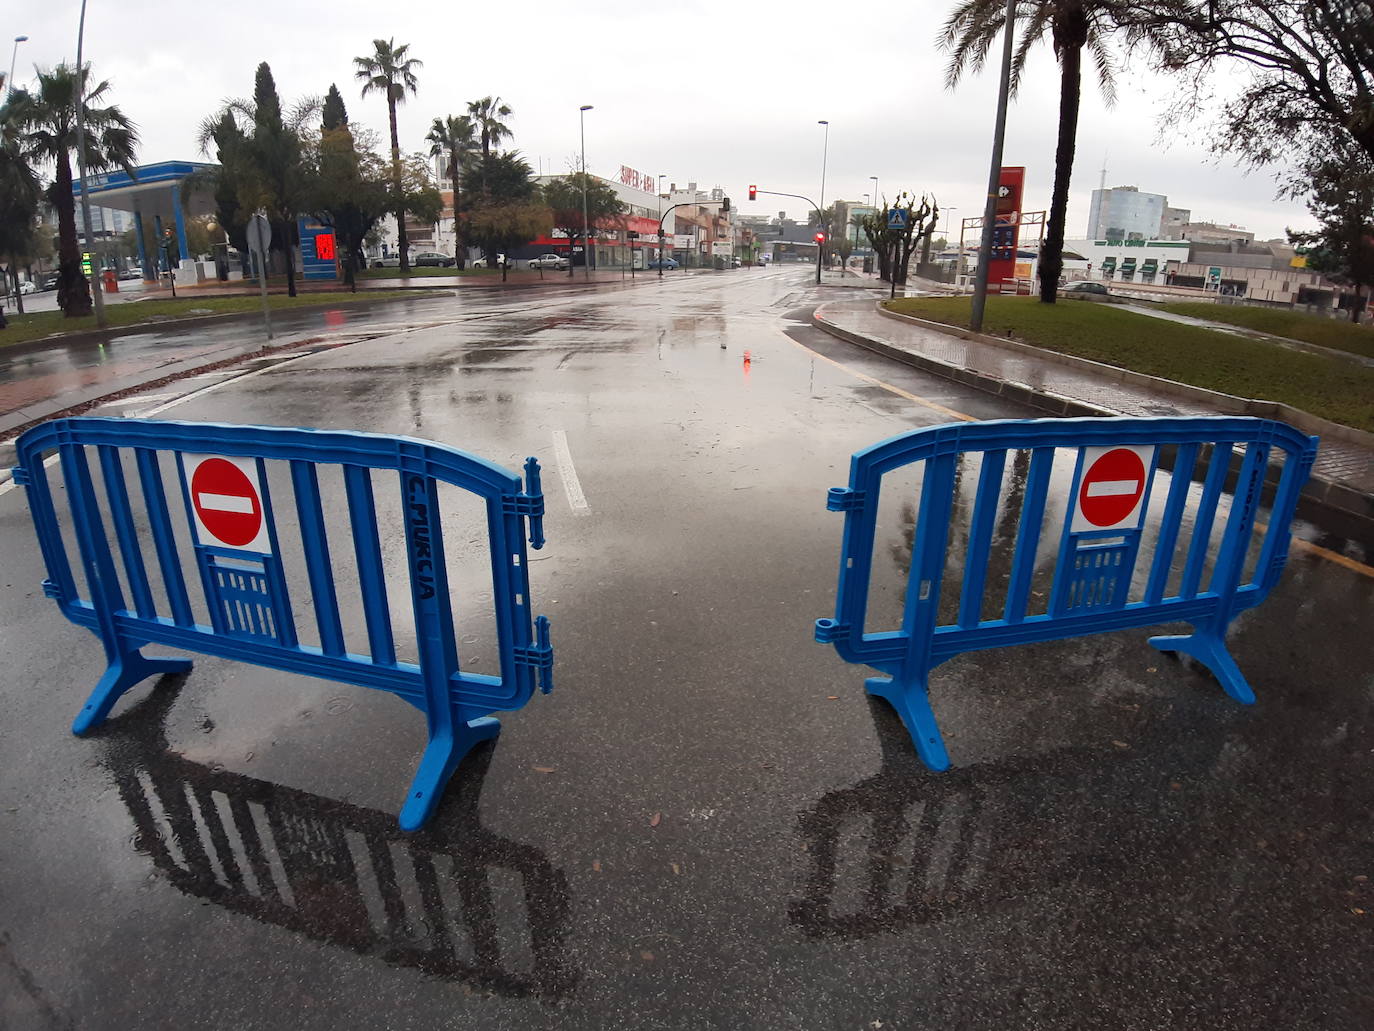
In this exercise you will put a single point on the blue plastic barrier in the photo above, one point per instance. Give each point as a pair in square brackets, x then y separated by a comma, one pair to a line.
[233, 535]
[1093, 587]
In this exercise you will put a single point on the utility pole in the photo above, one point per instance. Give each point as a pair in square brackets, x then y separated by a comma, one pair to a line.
[980, 286]
[96, 297]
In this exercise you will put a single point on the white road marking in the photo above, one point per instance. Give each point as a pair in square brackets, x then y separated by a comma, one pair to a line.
[225, 502]
[136, 399]
[1112, 488]
[563, 459]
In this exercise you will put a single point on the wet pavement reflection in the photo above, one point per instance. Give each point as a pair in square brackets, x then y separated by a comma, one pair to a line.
[343, 874]
[707, 823]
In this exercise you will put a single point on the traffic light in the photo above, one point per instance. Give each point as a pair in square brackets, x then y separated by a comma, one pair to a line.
[753, 192]
[725, 204]
[820, 238]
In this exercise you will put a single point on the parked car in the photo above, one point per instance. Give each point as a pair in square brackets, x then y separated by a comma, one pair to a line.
[432, 259]
[669, 263]
[27, 287]
[551, 260]
[735, 262]
[48, 282]
[391, 261]
[131, 273]
[1086, 289]
[501, 260]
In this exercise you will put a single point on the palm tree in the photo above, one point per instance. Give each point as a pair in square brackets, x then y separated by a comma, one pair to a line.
[44, 123]
[1073, 26]
[454, 137]
[486, 116]
[388, 70]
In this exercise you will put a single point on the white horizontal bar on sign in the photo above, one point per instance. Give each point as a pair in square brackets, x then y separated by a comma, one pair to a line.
[1111, 488]
[225, 502]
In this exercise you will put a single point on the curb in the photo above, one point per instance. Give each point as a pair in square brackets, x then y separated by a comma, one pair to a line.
[1304, 421]
[1352, 506]
[90, 335]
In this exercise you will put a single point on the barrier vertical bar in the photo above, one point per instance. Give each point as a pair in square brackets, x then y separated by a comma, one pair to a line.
[362, 511]
[305, 482]
[1028, 534]
[164, 539]
[112, 472]
[1207, 643]
[907, 690]
[449, 739]
[980, 537]
[106, 594]
[49, 535]
[126, 666]
[1277, 537]
[1202, 526]
[1171, 521]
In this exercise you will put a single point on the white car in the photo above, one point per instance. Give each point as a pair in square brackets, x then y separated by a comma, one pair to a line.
[501, 259]
[551, 260]
[26, 287]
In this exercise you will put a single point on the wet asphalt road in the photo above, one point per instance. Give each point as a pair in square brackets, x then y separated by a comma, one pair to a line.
[707, 824]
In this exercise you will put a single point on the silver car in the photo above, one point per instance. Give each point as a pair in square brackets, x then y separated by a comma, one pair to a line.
[551, 260]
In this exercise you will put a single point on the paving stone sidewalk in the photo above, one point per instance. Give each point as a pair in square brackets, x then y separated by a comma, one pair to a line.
[1341, 462]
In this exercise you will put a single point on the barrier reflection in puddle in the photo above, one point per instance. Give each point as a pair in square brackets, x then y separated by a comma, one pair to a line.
[455, 901]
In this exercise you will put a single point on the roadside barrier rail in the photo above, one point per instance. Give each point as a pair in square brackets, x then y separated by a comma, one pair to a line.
[1093, 585]
[236, 554]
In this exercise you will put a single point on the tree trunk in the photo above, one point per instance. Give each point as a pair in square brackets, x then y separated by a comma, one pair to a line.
[401, 241]
[14, 278]
[73, 295]
[1358, 306]
[459, 251]
[1052, 253]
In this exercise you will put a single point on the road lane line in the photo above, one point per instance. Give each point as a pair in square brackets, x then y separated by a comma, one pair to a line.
[933, 405]
[1354, 565]
[562, 458]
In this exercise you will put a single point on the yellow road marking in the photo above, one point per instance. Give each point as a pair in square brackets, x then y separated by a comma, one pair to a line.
[1354, 565]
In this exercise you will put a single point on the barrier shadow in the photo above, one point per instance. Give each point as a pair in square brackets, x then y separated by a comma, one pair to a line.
[346, 875]
[910, 847]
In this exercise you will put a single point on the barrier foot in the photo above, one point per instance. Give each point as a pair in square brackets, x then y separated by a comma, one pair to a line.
[1210, 650]
[125, 672]
[913, 706]
[441, 758]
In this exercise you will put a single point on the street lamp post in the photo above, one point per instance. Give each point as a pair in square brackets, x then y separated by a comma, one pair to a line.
[9, 83]
[820, 211]
[96, 297]
[980, 285]
[586, 243]
[875, 191]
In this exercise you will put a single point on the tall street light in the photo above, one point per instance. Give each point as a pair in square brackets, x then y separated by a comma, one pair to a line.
[980, 283]
[876, 195]
[9, 83]
[586, 243]
[820, 215]
[96, 296]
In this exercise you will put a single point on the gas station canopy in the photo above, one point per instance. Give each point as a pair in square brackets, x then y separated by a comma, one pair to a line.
[159, 190]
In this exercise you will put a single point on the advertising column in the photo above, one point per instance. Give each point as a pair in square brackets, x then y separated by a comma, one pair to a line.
[1006, 232]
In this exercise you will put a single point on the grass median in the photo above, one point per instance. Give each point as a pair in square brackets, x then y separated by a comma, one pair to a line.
[1337, 334]
[44, 324]
[1326, 387]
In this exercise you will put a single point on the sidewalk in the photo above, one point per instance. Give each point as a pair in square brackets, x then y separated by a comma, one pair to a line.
[1343, 477]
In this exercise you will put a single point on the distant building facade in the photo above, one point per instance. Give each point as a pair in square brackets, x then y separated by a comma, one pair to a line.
[1124, 213]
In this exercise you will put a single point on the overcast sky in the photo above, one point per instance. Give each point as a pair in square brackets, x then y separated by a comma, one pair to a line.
[723, 94]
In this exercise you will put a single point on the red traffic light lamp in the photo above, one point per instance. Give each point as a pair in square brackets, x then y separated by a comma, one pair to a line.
[753, 192]
[820, 238]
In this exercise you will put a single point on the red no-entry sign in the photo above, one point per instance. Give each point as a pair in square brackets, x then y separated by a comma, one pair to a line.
[1111, 490]
[226, 502]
